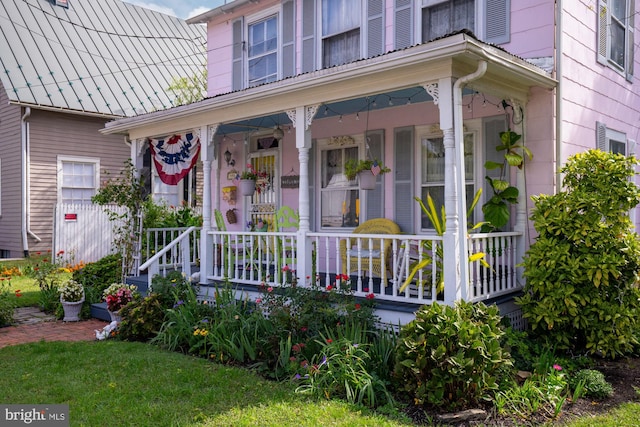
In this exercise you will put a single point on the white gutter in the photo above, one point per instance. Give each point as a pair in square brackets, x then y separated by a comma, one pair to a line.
[458, 127]
[558, 76]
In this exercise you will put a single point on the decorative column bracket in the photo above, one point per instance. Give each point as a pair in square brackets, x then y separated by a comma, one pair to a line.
[309, 112]
[433, 90]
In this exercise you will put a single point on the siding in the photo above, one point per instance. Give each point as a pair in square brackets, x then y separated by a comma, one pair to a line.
[54, 134]
[10, 189]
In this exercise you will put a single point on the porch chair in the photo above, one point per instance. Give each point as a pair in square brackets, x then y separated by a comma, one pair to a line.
[226, 252]
[377, 266]
[286, 219]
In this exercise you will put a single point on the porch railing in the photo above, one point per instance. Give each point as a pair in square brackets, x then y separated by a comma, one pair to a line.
[377, 265]
[170, 248]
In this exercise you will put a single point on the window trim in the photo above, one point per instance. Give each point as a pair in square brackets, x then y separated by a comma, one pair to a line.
[604, 135]
[76, 159]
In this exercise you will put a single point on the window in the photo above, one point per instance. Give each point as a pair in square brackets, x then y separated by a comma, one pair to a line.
[615, 35]
[610, 140]
[446, 17]
[78, 179]
[340, 31]
[432, 172]
[263, 51]
[339, 197]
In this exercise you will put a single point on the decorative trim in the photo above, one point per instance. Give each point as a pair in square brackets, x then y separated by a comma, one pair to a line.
[341, 140]
[211, 132]
[433, 90]
[292, 116]
[310, 113]
[516, 106]
[140, 146]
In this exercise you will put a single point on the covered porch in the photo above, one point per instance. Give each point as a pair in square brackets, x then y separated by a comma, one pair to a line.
[403, 107]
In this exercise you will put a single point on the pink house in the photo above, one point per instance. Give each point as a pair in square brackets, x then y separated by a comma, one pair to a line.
[298, 87]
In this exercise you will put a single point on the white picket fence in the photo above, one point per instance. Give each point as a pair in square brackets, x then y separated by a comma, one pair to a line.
[83, 232]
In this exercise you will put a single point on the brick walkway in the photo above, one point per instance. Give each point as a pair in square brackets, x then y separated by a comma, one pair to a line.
[32, 325]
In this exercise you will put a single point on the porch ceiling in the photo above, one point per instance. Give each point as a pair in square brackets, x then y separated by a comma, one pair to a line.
[398, 74]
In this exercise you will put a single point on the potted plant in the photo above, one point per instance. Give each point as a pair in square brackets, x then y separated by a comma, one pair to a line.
[366, 171]
[247, 180]
[71, 298]
[117, 295]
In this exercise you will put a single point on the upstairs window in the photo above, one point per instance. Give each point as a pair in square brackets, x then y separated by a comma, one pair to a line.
[615, 35]
[263, 51]
[77, 179]
[340, 31]
[442, 18]
[610, 140]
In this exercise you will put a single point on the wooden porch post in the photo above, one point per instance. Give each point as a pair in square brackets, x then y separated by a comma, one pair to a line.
[206, 242]
[442, 95]
[301, 118]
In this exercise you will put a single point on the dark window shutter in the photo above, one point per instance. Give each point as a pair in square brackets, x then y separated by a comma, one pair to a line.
[497, 21]
[237, 78]
[603, 19]
[404, 204]
[308, 35]
[288, 39]
[601, 136]
[375, 28]
[403, 25]
[375, 198]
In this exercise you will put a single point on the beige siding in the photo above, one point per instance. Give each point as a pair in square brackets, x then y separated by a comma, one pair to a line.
[10, 188]
[54, 134]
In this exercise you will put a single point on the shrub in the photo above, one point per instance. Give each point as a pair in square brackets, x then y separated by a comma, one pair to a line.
[593, 384]
[451, 357]
[581, 292]
[96, 276]
[141, 319]
[7, 303]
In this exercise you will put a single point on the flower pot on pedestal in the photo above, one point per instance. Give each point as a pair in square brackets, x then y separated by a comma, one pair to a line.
[366, 180]
[72, 310]
[247, 187]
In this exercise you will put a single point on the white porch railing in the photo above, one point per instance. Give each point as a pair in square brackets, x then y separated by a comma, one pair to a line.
[170, 248]
[259, 257]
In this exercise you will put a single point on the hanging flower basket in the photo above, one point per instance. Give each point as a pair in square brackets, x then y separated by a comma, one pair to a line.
[366, 180]
[247, 187]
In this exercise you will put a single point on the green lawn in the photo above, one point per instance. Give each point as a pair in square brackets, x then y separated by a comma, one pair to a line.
[126, 384]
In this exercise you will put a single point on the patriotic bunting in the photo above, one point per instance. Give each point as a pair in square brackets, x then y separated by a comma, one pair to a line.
[175, 156]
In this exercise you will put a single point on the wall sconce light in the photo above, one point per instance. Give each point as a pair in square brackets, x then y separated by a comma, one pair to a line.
[228, 159]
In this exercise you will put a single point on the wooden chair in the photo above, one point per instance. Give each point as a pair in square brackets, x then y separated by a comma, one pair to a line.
[374, 259]
[286, 219]
[226, 249]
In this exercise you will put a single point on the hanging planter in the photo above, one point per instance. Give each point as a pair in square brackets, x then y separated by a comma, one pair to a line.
[247, 186]
[366, 171]
[366, 180]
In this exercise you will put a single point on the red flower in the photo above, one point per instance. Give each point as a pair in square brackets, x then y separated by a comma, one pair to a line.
[329, 287]
[18, 294]
[365, 289]
[329, 340]
[357, 307]
[370, 296]
[303, 329]
[60, 253]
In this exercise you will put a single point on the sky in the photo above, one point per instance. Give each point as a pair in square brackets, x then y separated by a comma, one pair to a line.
[181, 8]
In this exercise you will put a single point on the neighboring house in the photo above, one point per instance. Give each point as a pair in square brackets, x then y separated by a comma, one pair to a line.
[64, 72]
[297, 87]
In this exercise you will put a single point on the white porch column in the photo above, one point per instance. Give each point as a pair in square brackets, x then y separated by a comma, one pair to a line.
[442, 95]
[137, 150]
[301, 118]
[206, 242]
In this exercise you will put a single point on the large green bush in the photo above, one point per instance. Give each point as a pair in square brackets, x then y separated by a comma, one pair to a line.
[97, 276]
[451, 357]
[581, 292]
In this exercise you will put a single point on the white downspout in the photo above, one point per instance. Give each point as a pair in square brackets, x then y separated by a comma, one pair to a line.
[460, 182]
[25, 228]
[558, 100]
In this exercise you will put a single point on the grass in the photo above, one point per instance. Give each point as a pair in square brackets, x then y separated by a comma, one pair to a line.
[27, 285]
[138, 384]
[626, 415]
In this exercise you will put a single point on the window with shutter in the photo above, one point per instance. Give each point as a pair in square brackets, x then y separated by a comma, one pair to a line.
[616, 35]
[610, 140]
[340, 31]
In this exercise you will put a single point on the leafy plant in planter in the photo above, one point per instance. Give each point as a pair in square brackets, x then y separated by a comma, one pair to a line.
[353, 167]
[496, 209]
[581, 293]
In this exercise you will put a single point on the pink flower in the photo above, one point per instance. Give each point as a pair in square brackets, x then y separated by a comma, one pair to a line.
[258, 301]
[270, 289]
[285, 268]
[557, 367]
